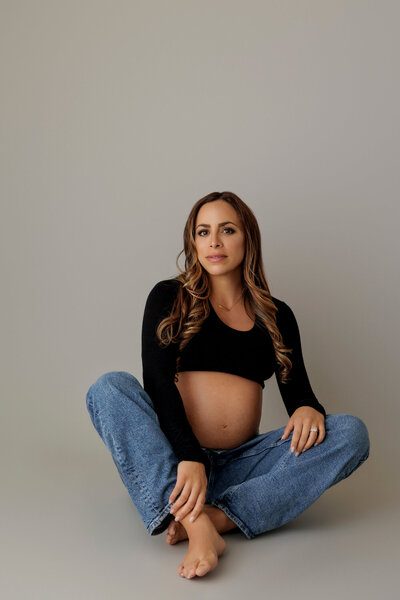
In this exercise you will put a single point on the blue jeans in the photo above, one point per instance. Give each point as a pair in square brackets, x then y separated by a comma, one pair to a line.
[259, 485]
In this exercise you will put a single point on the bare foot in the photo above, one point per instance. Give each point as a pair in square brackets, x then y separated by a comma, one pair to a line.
[205, 546]
[176, 531]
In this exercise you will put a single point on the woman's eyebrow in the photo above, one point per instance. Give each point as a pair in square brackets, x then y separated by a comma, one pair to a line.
[219, 224]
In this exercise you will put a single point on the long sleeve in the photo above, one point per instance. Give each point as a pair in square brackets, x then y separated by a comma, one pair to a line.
[158, 376]
[297, 392]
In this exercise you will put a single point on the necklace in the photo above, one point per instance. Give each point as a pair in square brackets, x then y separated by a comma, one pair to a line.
[226, 308]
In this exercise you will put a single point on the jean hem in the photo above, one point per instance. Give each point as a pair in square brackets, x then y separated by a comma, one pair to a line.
[223, 506]
[161, 522]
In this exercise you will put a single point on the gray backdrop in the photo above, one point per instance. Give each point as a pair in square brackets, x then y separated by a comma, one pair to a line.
[115, 118]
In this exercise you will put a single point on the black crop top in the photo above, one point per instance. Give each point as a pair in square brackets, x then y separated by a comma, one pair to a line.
[216, 347]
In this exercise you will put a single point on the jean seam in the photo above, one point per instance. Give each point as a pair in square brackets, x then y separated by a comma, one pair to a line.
[362, 459]
[348, 473]
[279, 443]
[284, 460]
[127, 471]
[142, 483]
[211, 479]
[160, 518]
[90, 405]
[226, 509]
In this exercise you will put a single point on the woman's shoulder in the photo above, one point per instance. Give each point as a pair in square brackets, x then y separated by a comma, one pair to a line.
[279, 303]
[286, 319]
[166, 286]
[162, 294]
[284, 313]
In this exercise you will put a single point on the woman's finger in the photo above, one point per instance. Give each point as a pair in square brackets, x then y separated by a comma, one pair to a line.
[287, 430]
[184, 495]
[305, 431]
[298, 427]
[321, 434]
[311, 439]
[178, 487]
[198, 507]
[188, 506]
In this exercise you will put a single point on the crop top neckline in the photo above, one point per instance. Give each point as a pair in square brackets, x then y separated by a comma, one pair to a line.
[228, 326]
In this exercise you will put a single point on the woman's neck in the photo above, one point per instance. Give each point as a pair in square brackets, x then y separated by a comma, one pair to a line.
[226, 291]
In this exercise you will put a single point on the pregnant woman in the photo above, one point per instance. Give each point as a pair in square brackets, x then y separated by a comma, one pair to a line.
[187, 444]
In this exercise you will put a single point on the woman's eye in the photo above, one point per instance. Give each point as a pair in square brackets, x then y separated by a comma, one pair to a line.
[225, 229]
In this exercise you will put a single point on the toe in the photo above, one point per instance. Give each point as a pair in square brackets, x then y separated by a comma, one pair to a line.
[171, 528]
[191, 572]
[202, 568]
[170, 534]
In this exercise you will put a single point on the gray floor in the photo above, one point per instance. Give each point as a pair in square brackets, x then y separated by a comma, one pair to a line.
[70, 531]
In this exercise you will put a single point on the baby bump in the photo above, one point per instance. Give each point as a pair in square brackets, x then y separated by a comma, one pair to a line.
[223, 410]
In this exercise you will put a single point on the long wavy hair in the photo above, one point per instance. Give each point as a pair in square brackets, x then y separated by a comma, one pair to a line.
[191, 306]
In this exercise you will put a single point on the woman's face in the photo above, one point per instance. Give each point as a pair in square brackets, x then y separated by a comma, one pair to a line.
[218, 230]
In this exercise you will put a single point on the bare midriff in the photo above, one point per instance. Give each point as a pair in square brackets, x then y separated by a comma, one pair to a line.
[224, 410]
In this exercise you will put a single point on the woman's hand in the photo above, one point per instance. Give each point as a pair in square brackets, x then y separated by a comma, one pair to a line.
[191, 481]
[302, 420]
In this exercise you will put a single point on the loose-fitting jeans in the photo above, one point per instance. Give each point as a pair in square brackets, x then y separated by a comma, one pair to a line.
[259, 485]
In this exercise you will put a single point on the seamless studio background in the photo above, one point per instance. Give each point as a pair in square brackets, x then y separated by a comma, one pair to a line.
[115, 118]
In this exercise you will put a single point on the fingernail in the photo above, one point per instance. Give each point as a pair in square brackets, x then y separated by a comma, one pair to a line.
[292, 449]
[191, 519]
[297, 453]
[177, 518]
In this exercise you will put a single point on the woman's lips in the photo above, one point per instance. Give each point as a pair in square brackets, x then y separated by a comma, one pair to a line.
[215, 258]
